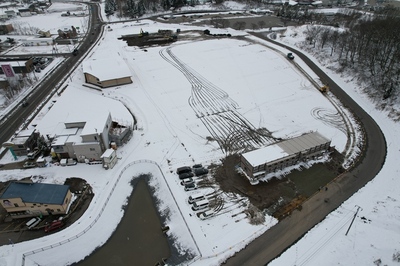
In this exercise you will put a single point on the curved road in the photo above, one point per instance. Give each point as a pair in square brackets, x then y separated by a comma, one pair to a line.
[281, 236]
[11, 122]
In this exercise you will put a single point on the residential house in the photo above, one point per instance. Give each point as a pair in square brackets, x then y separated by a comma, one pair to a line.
[23, 199]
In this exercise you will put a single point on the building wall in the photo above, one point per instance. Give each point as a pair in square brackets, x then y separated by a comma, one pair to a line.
[16, 208]
[259, 171]
[91, 151]
[22, 149]
[109, 162]
[106, 83]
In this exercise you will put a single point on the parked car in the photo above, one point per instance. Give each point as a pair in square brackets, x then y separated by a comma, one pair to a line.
[183, 169]
[199, 165]
[195, 197]
[53, 226]
[29, 164]
[186, 175]
[207, 214]
[187, 181]
[290, 56]
[200, 171]
[191, 186]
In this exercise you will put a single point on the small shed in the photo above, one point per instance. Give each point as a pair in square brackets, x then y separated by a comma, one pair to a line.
[109, 158]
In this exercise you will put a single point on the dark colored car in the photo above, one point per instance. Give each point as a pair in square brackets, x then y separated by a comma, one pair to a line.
[198, 166]
[290, 56]
[75, 52]
[200, 171]
[183, 169]
[53, 226]
[186, 175]
[191, 186]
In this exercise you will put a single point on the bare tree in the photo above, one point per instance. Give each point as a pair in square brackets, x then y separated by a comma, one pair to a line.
[261, 24]
[239, 25]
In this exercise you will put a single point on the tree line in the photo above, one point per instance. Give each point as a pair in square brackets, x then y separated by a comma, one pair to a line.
[370, 48]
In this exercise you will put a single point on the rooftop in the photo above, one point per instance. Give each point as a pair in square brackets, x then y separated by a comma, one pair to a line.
[285, 148]
[36, 192]
[116, 68]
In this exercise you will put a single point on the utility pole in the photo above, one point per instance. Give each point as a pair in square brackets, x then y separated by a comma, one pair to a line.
[358, 208]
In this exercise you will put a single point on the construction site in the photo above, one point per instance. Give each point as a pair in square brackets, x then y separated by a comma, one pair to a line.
[144, 38]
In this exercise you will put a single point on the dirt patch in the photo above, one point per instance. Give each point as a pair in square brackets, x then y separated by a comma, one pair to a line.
[281, 196]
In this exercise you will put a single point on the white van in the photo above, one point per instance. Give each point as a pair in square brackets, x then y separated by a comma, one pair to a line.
[33, 222]
[199, 205]
[196, 197]
[207, 214]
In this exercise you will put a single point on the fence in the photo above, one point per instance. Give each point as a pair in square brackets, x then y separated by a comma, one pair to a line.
[102, 210]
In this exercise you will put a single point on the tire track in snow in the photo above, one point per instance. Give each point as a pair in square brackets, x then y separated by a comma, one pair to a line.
[218, 112]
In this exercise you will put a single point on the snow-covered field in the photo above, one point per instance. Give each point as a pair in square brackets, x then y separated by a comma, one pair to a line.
[260, 85]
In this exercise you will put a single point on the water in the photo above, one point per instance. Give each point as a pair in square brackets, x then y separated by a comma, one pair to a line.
[138, 239]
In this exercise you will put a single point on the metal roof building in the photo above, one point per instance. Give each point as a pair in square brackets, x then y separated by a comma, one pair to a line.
[36, 192]
[256, 164]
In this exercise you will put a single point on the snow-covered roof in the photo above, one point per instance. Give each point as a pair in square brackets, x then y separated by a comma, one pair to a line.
[107, 153]
[267, 154]
[70, 108]
[106, 69]
[285, 148]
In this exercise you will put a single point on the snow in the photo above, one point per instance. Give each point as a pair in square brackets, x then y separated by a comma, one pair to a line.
[266, 154]
[116, 68]
[259, 84]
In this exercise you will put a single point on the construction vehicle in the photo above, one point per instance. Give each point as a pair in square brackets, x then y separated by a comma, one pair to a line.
[143, 33]
[324, 89]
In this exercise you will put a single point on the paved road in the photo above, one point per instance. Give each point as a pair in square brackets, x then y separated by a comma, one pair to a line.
[280, 237]
[11, 122]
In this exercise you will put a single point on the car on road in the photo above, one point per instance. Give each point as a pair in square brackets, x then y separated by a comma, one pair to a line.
[290, 56]
[186, 175]
[25, 104]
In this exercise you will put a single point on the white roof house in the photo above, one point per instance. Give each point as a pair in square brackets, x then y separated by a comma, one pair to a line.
[106, 72]
[78, 127]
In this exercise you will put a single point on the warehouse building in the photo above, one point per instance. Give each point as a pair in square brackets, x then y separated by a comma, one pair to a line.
[258, 163]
